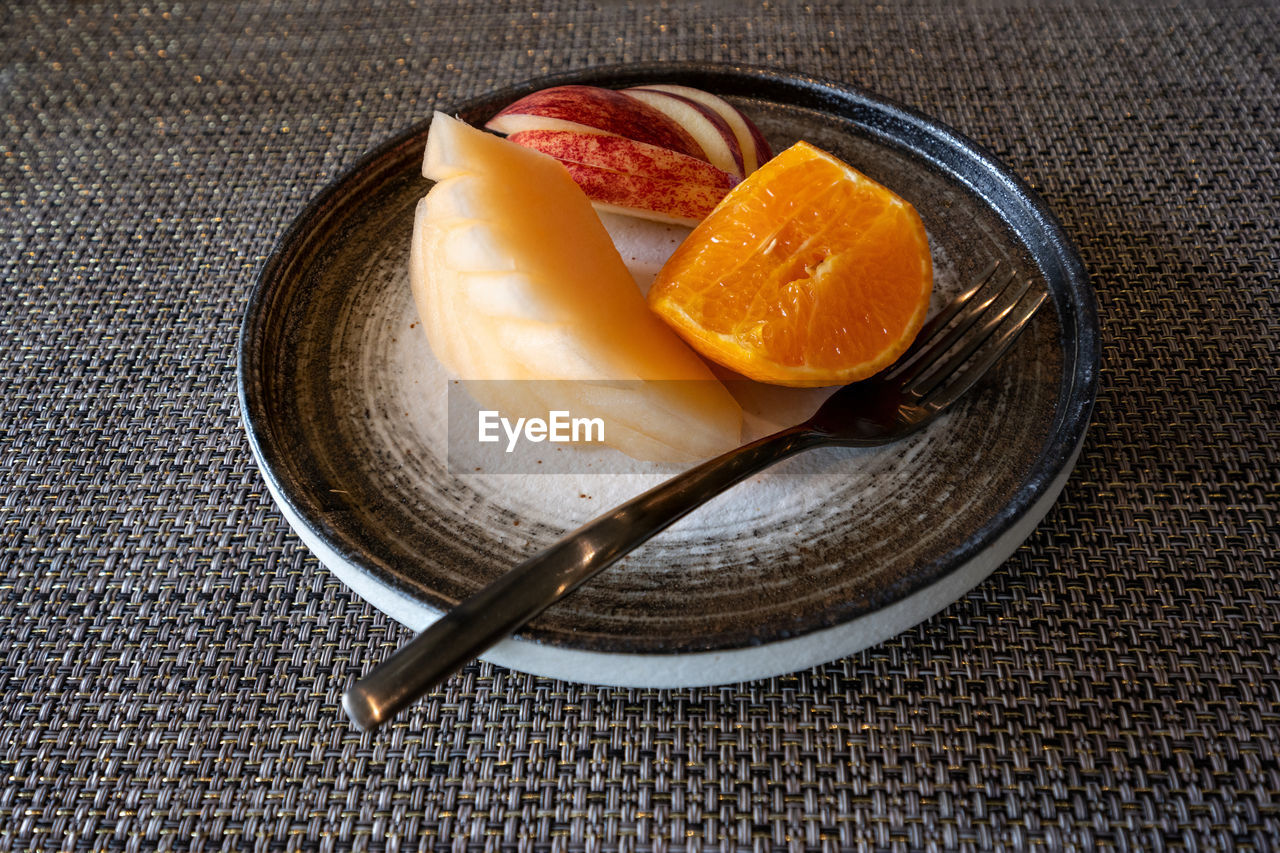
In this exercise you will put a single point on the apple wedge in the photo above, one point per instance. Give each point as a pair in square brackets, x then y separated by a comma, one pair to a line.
[673, 202]
[594, 109]
[704, 124]
[755, 148]
[624, 155]
[516, 278]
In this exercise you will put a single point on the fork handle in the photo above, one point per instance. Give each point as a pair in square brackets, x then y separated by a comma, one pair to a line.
[511, 601]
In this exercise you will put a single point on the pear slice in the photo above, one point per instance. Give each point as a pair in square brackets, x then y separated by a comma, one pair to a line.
[516, 278]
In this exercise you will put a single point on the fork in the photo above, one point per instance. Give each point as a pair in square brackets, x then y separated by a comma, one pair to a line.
[951, 352]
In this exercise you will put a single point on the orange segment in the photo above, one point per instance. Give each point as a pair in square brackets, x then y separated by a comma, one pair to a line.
[807, 273]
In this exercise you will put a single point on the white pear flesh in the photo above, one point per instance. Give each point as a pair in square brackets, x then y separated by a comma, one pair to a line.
[515, 278]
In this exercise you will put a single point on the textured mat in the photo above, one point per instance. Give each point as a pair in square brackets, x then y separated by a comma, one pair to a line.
[171, 657]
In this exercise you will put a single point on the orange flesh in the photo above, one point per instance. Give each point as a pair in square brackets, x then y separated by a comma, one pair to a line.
[808, 273]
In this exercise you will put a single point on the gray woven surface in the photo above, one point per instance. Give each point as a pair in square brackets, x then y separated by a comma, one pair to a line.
[171, 657]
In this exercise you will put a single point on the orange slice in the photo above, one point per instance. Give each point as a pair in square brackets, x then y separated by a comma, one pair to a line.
[807, 273]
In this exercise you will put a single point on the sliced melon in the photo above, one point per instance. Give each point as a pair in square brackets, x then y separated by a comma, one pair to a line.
[516, 278]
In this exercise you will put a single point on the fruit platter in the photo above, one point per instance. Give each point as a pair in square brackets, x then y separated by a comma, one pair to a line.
[587, 229]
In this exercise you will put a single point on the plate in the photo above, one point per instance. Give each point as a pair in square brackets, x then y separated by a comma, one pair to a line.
[818, 558]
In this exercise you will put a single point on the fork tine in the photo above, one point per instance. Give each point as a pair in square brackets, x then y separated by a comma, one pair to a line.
[953, 307]
[999, 344]
[941, 333]
[978, 325]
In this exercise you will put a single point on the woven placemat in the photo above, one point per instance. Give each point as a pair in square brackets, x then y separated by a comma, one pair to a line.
[171, 657]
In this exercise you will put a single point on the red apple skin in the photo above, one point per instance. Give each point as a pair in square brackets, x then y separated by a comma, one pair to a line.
[624, 155]
[763, 152]
[713, 132]
[650, 198]
[603, 110]
[755, 148]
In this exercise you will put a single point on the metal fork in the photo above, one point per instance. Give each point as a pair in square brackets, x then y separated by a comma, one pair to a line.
[951, 352]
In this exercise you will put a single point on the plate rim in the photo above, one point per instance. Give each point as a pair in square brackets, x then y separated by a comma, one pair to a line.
[1046, 477]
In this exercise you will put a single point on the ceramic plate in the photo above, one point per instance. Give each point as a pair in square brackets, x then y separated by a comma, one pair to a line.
[820, 557]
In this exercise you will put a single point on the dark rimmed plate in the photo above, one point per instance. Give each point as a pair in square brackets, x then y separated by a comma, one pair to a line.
[829, 553]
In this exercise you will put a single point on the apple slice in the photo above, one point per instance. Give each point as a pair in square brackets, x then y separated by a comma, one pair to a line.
[594, 109]
[704, 124]
[624, 155]
[755, 148]
[673, 202]
[516, 278]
